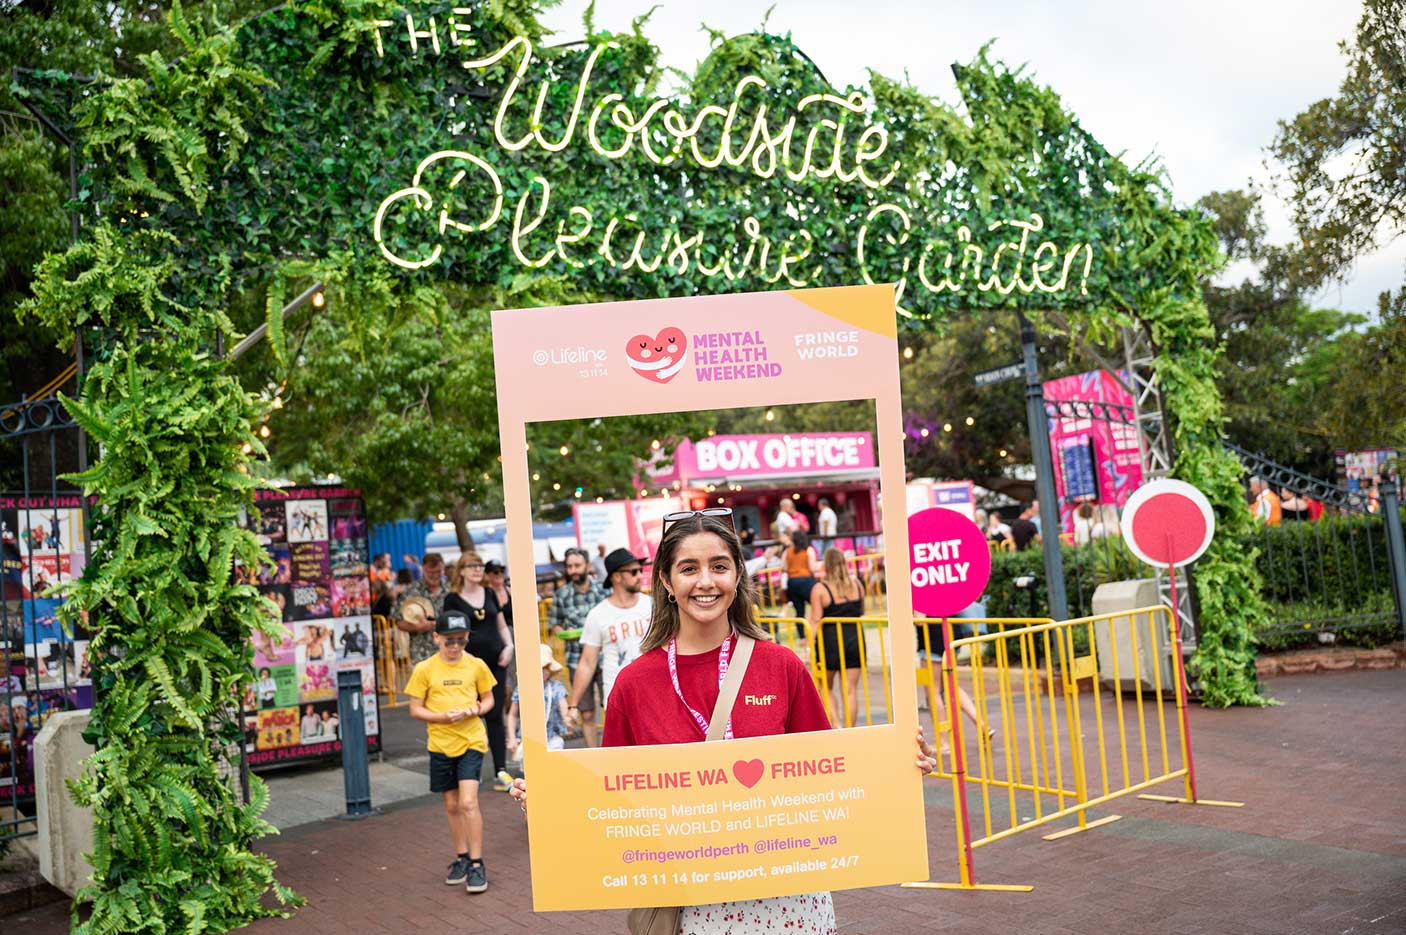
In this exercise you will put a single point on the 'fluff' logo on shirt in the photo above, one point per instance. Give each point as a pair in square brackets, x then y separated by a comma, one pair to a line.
[758, 699]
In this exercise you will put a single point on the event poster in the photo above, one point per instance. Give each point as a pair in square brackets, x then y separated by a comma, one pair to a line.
[43, 668]
[749, 818]
[1095, 460]
[315, 538]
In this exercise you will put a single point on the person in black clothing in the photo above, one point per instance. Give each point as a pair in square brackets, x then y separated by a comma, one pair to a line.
[1293, 507]
[489, 640]
[838, 647]
[745, 534]
[1023, 531]
[381, 602]
[493, 580]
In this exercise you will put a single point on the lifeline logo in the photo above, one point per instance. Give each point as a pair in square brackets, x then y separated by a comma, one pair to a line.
[732, 355]
[589, 361]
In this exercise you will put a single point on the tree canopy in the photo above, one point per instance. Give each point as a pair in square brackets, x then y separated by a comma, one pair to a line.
[1344, 157]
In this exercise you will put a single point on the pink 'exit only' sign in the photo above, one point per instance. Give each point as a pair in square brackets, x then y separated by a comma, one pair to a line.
[950, 561]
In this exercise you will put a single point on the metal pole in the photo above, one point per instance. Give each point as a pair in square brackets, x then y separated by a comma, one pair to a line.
[257, 335]
[356, 775]
[1040, 453]
[1396, 550]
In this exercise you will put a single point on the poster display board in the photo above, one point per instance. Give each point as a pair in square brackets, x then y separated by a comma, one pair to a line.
[316, 538]
[43, 669]
[1360, 471]
[748, 818]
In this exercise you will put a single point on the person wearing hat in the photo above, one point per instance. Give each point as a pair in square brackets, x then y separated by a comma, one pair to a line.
[614, 628]
[493, 579]
[553, 702]
[451, 691]
[432, 590]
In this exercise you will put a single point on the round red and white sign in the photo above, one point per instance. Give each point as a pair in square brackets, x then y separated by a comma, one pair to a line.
[1168, 523]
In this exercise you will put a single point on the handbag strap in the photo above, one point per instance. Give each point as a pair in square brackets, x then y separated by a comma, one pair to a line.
[732, 682]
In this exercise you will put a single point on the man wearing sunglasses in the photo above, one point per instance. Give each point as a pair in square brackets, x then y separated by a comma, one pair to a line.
[614, 628]
[570, 605]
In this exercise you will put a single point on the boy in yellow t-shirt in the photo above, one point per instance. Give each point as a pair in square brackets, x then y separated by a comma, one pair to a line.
[449, 692]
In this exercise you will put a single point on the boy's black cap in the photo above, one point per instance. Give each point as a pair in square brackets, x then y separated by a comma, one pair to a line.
[492, 565]
[451, 622]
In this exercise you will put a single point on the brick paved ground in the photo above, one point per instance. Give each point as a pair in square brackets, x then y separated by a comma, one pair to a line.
[1320, 847]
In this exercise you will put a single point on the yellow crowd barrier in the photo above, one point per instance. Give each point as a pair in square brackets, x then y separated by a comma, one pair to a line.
[1065, 716]
[393, 663]
[868, 568]
[841, 673]
[1043, 750]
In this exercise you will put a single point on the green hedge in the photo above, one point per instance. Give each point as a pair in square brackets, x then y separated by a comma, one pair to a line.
[1327, 560]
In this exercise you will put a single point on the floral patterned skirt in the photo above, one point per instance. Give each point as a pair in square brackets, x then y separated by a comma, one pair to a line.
[806, 914]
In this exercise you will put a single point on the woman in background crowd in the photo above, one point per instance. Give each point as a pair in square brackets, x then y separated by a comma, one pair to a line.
[838, 645]
[801, 566]
[489, 640]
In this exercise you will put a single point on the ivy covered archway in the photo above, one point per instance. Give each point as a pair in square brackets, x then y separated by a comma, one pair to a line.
[397, 154]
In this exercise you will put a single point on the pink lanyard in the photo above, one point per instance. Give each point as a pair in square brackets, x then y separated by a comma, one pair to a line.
[699, 719]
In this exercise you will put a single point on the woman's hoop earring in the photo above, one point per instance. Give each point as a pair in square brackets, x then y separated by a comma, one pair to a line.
[672, 599]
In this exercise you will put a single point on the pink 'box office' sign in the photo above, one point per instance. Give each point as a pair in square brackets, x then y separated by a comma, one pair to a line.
[768, 455]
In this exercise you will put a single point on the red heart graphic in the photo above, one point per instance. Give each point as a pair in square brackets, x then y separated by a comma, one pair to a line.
[658, 358]
[748, 772]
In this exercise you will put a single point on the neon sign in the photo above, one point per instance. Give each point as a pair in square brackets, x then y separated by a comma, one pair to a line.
[814, 141]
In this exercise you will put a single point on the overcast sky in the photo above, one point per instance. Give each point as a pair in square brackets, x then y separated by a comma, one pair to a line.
[1201, 84]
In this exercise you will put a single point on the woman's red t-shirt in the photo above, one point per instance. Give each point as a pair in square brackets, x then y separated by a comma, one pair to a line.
[777, 696]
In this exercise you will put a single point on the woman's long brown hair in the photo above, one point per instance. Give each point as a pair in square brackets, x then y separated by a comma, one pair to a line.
[741, 613]
[837, 574]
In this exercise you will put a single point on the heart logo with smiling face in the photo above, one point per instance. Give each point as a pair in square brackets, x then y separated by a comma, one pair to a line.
[658, 358]
[748, 772]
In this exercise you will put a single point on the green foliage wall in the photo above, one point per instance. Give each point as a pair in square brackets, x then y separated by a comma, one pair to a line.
[169, 620]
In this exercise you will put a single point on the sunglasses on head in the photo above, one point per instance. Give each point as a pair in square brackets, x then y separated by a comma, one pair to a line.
[720, 512]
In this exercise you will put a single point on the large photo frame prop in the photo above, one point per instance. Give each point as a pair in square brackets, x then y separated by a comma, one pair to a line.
[700, 823]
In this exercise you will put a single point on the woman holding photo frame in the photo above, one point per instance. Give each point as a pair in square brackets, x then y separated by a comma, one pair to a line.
[704, 629]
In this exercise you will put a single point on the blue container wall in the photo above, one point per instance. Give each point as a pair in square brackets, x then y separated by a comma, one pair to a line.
[400, 537]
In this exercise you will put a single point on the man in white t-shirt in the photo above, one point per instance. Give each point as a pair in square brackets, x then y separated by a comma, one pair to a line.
[785, 522]
[827, 527]
[614, 628]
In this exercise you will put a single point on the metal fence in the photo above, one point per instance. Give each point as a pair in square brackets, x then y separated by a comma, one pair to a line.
[1326, 564]
[44, 542]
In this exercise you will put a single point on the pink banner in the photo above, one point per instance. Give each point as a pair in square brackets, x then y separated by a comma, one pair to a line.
[1094, 460]
[768, 455]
